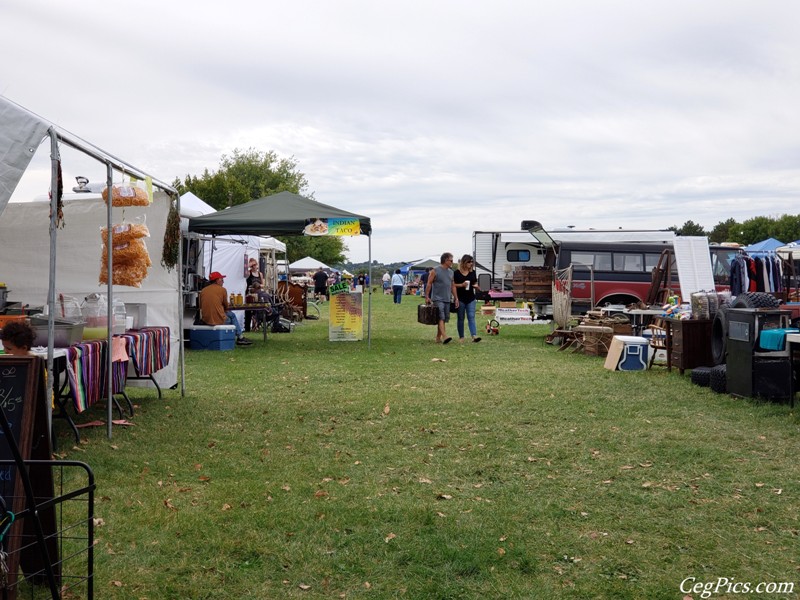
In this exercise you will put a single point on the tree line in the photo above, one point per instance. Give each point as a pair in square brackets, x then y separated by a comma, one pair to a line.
[785, 228]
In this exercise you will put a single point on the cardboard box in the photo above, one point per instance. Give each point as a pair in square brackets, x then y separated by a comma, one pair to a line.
[208, 337]
[507, 304]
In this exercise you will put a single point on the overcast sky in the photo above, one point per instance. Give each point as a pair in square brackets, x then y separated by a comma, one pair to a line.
[435, 118]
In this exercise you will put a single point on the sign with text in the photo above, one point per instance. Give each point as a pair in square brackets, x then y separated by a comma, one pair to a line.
[346, 321]
[339, 227]
[513, 316]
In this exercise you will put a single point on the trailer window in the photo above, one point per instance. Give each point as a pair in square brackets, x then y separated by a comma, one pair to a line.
[651, 261]
[628, 262]
[518, 256]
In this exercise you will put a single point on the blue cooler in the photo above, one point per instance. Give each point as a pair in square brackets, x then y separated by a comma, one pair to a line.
[635, 353]
[212, 337]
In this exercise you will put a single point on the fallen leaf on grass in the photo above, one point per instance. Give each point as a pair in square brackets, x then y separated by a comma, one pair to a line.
[441, 514]
[501, 551]
[759, 485]
[286, 488]
[226, 506]
[386, 409]
[389, 538]
[168, 504]
[626, 467]
[98, 522]
[204, 478]
[320, 494]
[304, 586]
[116, 583]
[424, 480]
[438, 360]
[444, 497]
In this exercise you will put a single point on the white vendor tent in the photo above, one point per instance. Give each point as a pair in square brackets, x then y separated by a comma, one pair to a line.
[228, 254]
[307, 264]
[78, 254]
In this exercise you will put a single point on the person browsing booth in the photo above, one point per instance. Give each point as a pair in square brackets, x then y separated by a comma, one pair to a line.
[214, 308]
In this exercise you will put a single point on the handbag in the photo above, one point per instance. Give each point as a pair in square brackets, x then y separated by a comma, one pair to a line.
[428, 314]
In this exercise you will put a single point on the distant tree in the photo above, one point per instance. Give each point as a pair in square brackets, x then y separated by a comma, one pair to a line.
[247, 175]
[757, 229]
[689, 228]
[787, 228]
[725, 231]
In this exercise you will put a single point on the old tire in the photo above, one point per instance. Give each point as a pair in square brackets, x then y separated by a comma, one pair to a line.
[718, 379]
[719, 335]
[701, 376]
[755, 300]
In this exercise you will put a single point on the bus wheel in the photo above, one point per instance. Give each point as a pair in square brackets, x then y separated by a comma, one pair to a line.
[719, 335]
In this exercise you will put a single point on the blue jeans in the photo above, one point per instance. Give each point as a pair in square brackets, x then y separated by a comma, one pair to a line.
[469, 311]
[230, 319]
[398, 293]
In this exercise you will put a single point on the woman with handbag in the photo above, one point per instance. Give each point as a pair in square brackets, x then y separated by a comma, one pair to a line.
[466, 282]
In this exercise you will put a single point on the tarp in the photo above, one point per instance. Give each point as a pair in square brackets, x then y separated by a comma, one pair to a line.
[792, 248]
[768, 245]
[308, 264]
[283, 213]
[21, 132]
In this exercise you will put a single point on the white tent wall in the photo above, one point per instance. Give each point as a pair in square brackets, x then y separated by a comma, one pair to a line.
[230, 255]
[24, 262]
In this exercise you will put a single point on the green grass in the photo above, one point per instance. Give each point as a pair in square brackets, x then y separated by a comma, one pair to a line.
[506, 470]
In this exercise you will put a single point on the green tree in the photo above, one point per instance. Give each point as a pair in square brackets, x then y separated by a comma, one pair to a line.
[689, 228]
[725, 231]
[247, 175]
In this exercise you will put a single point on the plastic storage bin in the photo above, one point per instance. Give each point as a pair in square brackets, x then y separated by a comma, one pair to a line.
[212, 337]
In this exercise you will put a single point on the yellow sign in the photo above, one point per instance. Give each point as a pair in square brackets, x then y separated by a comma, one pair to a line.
[346, 317]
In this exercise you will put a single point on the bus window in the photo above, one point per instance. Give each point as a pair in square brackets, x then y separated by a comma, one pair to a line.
[630, 262]
[651, 261]
[518, 256]
[601, 261]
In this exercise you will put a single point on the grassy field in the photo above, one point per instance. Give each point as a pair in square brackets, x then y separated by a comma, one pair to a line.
[301, 468]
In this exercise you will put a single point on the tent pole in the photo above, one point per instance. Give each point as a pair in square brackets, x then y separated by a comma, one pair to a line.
[110, 307]
[181, 300]
[51, 289]
[369, 300]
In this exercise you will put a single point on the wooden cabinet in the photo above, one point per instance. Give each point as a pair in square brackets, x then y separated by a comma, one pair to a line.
[688, 343]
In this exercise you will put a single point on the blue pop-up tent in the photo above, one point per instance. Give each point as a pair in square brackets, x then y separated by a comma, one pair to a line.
[768, 245]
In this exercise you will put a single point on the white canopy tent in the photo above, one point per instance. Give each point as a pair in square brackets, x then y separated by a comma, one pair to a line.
[21, 133]
[229, 254]
[308, 264]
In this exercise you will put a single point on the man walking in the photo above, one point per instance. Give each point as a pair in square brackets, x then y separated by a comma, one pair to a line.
[440, 290]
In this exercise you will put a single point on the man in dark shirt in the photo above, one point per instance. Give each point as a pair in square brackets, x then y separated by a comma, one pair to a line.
[321, 283]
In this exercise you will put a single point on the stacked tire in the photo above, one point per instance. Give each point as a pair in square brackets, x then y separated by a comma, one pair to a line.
[718, 379]
[719, 327]
[701, 376]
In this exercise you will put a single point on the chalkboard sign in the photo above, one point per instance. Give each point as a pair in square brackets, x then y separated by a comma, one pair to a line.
[25, 435]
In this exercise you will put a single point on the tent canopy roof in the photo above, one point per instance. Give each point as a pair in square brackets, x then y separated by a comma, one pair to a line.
[283, 213]
[308, 264]
[768, 245]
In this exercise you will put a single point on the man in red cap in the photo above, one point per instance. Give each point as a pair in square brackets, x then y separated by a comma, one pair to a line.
[214, 309]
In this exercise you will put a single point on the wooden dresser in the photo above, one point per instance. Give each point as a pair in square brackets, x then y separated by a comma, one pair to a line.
[688, 343]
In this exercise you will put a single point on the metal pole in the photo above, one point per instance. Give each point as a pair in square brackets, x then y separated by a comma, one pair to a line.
[369, 301]
[51, 289]
[109, 267]
[179, 273]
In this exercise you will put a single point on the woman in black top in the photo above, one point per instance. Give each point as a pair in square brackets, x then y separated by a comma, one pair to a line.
[466, 283]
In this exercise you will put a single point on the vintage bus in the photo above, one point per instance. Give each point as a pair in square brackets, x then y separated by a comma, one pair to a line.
[621, 272]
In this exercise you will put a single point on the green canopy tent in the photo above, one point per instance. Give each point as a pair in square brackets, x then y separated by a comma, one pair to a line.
[286, 213]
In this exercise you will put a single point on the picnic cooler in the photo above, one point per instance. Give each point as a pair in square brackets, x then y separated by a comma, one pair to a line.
[216, 337]
[628, 353]
[427, 314]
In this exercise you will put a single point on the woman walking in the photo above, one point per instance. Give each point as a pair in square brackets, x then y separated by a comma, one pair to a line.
[466, 283]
